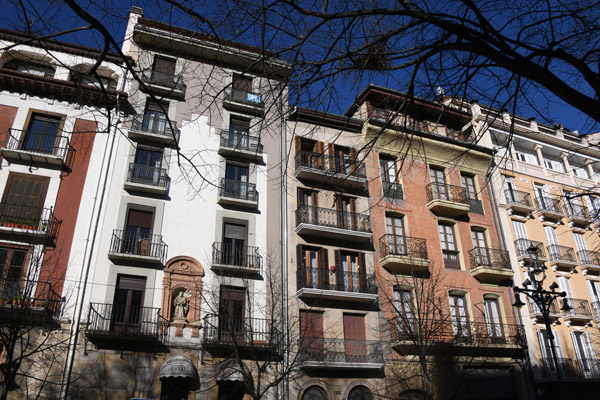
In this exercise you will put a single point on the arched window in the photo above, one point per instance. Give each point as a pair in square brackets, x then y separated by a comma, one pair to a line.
[314, 393]
[360, 393]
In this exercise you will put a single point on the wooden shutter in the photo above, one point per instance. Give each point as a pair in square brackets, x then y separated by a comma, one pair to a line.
[338, 269]
[354, 335]
[323, 273]
[24, 196]
[331, 153]
[353, 160]
[362, 273]
[297, 144]
[140, 219]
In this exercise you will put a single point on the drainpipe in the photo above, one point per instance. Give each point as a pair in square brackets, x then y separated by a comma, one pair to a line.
[284, 244]
[89, 248]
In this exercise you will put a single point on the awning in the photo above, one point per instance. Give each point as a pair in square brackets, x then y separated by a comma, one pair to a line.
[177, 367]
[231, 371]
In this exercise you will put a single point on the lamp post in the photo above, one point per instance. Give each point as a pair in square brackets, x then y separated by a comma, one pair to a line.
[543, 299]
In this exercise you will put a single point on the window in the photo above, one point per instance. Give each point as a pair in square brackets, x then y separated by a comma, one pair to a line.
[389, 178]
[546, 349]
[581, 172]
[163, 71]
[41, 135]
[492, 317]
[308, 200]
[438, 184]
[510, 190]
[480, 247]
[355, 338]
[238, 133]
[468, 182]
[360, 393]
[155, 119]
[313, 269]
[544, 198]
[403, 310]
[242, 90]
[448, 243]
[30, 68]
[91, 80]
[236, 181]
[343, 158]
[350, 271]
[147, 163]
[311, 334]
[234, 244]
[593, 204]
[554, 165]
[23, 200]
[594, 288]
[138, 232]
[521, 238]
[460, 319]
[586, 356]
[12, 269]
[232, 303]
[127, 314]
[314, 393]
[396, 240]
[529, 158]
[553, 247]
[346, 207]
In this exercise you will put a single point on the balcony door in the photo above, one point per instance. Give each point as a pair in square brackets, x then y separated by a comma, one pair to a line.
[308, 201]
[564, 286]
[521, 237]
[232, 306]
[346, 207]
[236, 180]
[12, 269]
[510, 191]
[23, 201]
[343, 159]
[493, 320]
[137, 238]
[396, 241]
[480, 247]
[147, 163]
[586, 357]
[547, 356]
[582, 250]
[163, 71]
[438, 184]
[238, 133]
[351, 274]
[403, 309]
[553, 247]
[313, 267]
[127, 305]
[355, 344]
[242, 88]
[234, 244]
[544, 198]
[448, 243]
[311, 335]
[460, 319]
[594, 288]
[155, 119]
[468, 182]
[42, 133]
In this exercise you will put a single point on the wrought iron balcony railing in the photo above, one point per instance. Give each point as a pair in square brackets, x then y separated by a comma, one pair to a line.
[336, 279]
[147, 175]
[39, 143]
[333, 218]
[237, 190]
[29, 295]
[451, 259]
[523, 244]
[561, 253]
[325, 350]
[345, 166]
[553, 308]
[577, 211]
[246, 257]
[237, 330]
[164, 79]
[393, 190]
[519, 198]
[243, 96]
[440, 191]
[587, 257]
[579, 308]
[490, 258]
[596, 308]
[404, 246]
[122, 320]
[571, 369]
[242, 141]
[547, 204]
[138, 244]
[34, 219]
[155, 124]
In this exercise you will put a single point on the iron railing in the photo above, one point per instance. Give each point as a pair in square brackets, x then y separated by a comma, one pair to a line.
[596, 308]
[336, 279]
[549, 204]
[238, 189]
[451, 259]
[26, 294]
[147, 175]
[35, 142]
[157, 125]
[241, 331]
[441, 191]
[243, 96]
[242, 141]
[138, 244]
[238, 256]
[446, 331]
[404, 246]
[333, 218]
[122, 319]
[552, 307]
[587, 257]
[518, 197]
[577, 211]
[561, 253]
[571, 369]
[393, 190]
[347, 166]
[29, 218]
[490, 258]
[523, 244]
[171, 81]
[326, 350]
[579, 308]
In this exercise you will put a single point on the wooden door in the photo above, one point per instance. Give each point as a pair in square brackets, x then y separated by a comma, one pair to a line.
[480, 248]
[354, 338]
[231, 314]
[127, 306]
[311, 335]
[23, 200]
[42, 133]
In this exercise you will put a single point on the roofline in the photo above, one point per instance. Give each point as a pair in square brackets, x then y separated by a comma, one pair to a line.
[300, 114]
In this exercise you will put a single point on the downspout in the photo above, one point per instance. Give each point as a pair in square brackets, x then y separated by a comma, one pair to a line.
[89, 249]
[284, 244]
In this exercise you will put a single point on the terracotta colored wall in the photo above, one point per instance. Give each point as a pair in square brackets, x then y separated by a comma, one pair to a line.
[7, 117]
[68, 202]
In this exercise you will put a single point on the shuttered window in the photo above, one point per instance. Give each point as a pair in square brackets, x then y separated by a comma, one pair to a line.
[24, 196]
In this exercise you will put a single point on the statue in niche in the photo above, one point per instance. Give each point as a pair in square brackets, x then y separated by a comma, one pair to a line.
[181, 303]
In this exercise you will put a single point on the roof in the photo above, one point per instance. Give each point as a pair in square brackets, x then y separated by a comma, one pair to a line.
[322, 118]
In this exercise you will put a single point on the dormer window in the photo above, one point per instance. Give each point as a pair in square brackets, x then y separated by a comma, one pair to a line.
[30, 68]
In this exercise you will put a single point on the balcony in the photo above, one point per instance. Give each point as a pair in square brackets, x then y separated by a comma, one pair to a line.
[333, 224]
[447, 200]
[164, 83]
[37, 148]
[523, 256]
[242, 145]
[518, 202]
[336, 285]
[153, 129]
[441, 336]
[236, 193]
[252, 338]
[317, 167]
[403, 255]
[244, 260]
[490, 265]
[562, 256]
[340, 355]
[29, 303]
[571, 369]
[536, 313]
[28, 224]
[119, 323]
[137, 247]
[578, 216]
[392, 190]
[580, 311]
[589, 261]
[549, 208]
[147, 179]
[596, 308]
[243, 100]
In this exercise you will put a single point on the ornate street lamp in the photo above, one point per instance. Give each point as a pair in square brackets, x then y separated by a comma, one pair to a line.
[543, 299]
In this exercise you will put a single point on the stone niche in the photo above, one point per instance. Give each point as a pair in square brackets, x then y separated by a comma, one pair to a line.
[182, 294]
